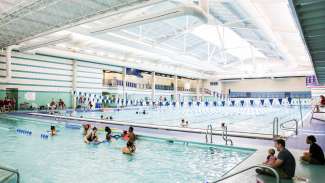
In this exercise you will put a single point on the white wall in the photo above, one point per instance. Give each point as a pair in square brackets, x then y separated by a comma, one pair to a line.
[46, 73]
[265, 85]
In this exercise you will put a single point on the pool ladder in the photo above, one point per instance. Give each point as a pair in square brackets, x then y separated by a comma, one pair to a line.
[209, 132]
[225, 134]
[13, 171]
[283, 127]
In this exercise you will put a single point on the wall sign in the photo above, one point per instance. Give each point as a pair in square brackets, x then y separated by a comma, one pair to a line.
[30, 96]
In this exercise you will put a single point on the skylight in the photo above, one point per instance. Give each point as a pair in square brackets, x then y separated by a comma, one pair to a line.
[232, 42]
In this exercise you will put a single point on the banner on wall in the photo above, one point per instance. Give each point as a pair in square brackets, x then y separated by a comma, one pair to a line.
[30, 96]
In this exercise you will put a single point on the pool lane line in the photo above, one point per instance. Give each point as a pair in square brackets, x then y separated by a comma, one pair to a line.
[162, 127]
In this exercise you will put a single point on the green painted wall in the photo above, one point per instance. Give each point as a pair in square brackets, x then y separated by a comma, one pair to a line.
[2, 94]
[41, 97]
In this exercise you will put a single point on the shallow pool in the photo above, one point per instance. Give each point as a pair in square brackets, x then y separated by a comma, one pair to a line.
[65, 158]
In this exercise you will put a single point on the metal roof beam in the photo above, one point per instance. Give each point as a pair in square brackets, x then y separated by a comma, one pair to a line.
[168, 14]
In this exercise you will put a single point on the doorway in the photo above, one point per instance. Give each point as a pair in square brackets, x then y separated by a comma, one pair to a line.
[12, 93]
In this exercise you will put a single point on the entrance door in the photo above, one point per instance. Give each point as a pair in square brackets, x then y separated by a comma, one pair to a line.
[12, 93]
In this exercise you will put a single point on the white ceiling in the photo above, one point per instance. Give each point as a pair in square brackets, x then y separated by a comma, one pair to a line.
[248, 38]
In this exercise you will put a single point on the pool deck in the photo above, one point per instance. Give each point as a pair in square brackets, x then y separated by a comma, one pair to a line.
[296, 144]
[311, 173]
[6, 176]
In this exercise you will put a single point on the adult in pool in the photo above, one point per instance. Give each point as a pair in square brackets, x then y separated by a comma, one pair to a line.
[183, 123]
[131, 135]
[91, 137]
[53, 131]
[129, 149]
[108, 131]
[86, 129]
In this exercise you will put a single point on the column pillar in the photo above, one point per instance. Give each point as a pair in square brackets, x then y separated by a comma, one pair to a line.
[74, 83]
[124, 85]
[198, 86]
[8, 62]
[153, 85]
[175, 88]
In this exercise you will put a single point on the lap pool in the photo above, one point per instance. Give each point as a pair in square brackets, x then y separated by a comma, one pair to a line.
[65, 158]
[243, 119]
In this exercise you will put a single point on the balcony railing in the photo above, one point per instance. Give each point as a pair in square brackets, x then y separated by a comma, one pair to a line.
[119, 83]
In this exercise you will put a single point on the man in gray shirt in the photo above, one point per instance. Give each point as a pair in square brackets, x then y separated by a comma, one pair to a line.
[285, 164]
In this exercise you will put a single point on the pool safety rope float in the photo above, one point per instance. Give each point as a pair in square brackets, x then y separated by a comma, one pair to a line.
[44, 136]
[23, 131]
[72, 125]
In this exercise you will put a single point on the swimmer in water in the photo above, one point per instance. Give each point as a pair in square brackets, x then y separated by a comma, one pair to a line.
[86, 129]
[186, 124]
[183, 123]
[124, 135]
[129, 149]
[131, 135]
[101, 117]
[108, 133]
[91, 137]
[53, 131]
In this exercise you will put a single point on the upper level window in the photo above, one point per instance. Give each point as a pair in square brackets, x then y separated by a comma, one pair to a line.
[213, 83]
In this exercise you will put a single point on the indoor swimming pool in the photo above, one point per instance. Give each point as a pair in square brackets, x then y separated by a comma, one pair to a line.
[66, 158]
[243, 119]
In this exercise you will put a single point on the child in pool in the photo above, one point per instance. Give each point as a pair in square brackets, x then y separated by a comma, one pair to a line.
[125, 135]
[108, 133]
[129, 149]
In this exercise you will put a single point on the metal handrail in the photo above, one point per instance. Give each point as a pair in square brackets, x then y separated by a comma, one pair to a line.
[275, 132]
[225, 135]
[246, 169]
[13, 171]
[295, 129]
[208, 132]
[300, 110]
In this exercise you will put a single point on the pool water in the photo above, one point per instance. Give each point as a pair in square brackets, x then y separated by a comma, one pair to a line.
[65, 158]
[244, 119]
